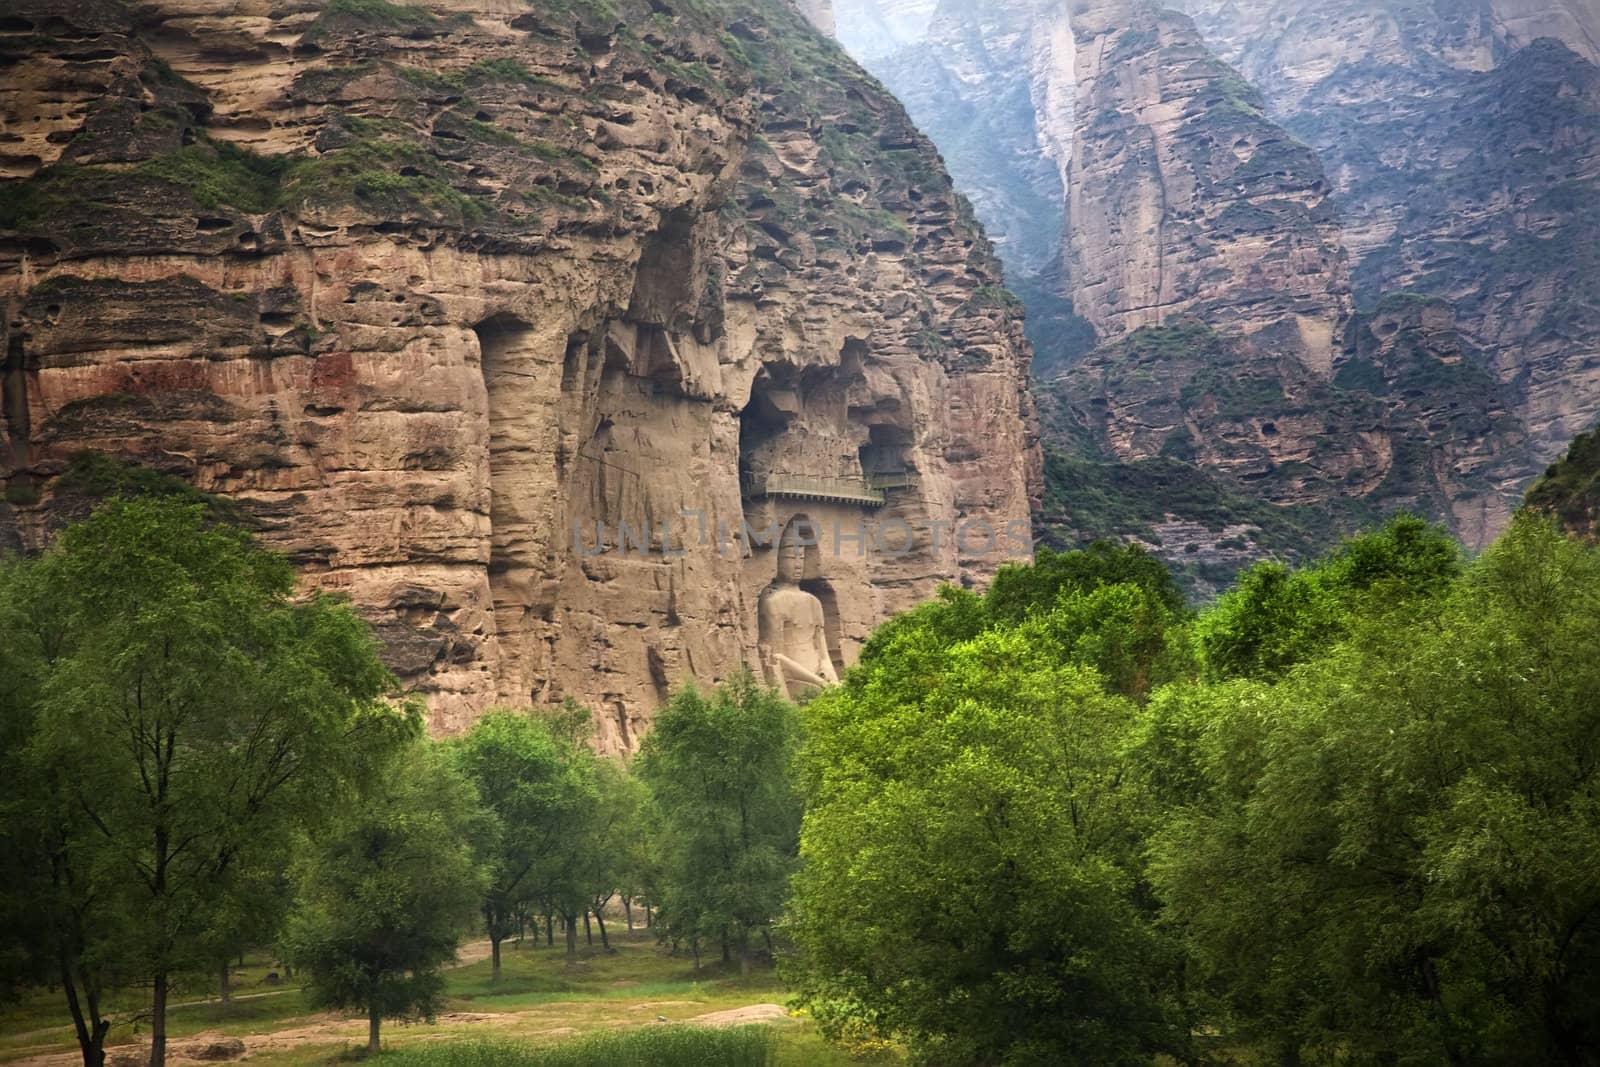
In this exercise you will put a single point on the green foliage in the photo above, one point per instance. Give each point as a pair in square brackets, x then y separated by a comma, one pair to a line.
[662, 1046]
[373, 14]
[1278, 617]
[971, 875]
[1569, 490]
[382, 899]
[539, 791]
[1389, 855]
[725, 812]
[180, 713]
[217, 173]
[1021, 589]
[389, 175]
[100, 476]
[558, 813]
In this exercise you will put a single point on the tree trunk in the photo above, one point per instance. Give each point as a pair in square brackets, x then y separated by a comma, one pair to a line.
[648, 920]
[494, 956]
[572, 938]
[605, 942]
[222, 974]
[549, 930]
[588, 934]
[627, 910]
[694, 946]
[744, 953]
[90, 1028]
[727, 954]
[158, 1021]
[372, 1030]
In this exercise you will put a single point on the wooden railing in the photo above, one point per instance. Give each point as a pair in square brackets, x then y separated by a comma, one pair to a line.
[869, 490]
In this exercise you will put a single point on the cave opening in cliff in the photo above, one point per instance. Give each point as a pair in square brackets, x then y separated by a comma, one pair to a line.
[885, 455]
[14, 400]
[774, 401]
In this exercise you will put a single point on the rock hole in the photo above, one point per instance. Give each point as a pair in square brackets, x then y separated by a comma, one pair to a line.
[1269, 429]
[572, 363]
[277, 318]
[14, 400]
[211, 225]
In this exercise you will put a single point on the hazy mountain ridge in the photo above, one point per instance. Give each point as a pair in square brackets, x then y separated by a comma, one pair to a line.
[1446, 162]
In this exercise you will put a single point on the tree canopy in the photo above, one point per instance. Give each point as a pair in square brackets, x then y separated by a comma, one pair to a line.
[1355, 825]
[179, 712]
[383, 897]
[724, 811]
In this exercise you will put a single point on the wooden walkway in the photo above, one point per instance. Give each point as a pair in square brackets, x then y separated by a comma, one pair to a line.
[869, 492]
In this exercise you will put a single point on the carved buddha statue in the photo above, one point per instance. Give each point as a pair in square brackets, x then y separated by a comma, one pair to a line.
[794, 636]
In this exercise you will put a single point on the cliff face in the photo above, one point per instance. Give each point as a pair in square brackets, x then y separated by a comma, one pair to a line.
[1205, 248]
[1569, 490]
[873, 29]
[991, 82]
[1465, 156]
[1185, 200]
[1249, 195]
[443, 296]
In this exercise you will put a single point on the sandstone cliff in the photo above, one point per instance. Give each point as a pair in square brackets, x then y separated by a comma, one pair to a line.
[442, 295]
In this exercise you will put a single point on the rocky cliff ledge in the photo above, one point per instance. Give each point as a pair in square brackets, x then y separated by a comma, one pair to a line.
[442, 295]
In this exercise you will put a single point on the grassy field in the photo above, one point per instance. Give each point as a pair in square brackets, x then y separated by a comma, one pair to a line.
[538, 1002]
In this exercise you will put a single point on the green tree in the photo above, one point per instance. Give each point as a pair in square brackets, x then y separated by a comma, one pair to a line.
[1020, 589]
[525, 778]
[563, 876]
[971, 880]
[725, 811]
[1277, 617]
[382, 900]
[182, 711]
[1389, 855]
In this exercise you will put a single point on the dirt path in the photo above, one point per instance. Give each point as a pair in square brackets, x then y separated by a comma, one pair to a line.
[330, 1028]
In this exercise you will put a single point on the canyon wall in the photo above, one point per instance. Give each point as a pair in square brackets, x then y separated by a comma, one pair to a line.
[1320, 262]
[453, 299]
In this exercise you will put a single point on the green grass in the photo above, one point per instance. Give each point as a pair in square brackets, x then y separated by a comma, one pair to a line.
[663, 1046]
[376, 14]
[539, 1002]
[39, 1022]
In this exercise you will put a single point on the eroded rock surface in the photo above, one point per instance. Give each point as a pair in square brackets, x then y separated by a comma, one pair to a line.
[445, 295]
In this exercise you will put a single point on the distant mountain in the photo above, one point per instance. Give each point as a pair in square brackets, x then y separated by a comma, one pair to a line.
[1329, 260]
